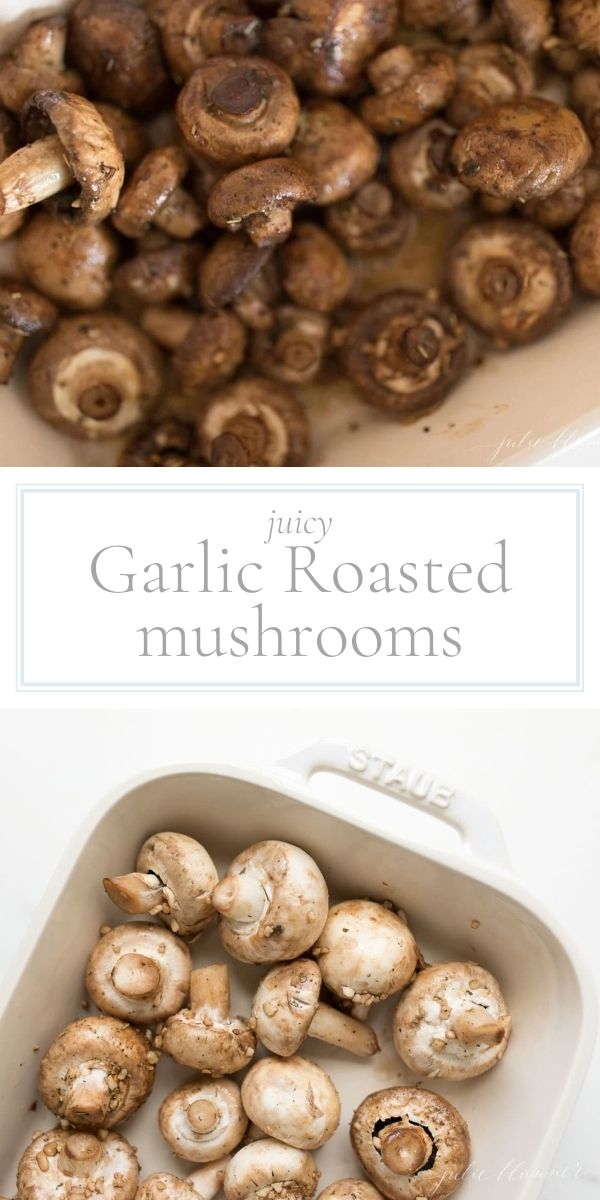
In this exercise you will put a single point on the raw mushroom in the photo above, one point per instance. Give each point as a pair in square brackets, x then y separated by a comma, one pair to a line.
[204, 1036]
[95, 376]
[490, 73]
[23, 313]
[452, 1022]
[154, 196]
[272, 903]
[366, 953]
[71, 263]
[228, 268]
[528, 23]
[371, 221]
[234, 110]
[404, 352]
[325, 46]
[292, 349]
[410, 85]
[69, 144]
[63, 1162]
[253, 423]
[208, 347]
[155, 276]
[129, 134]
[562, 207]
[420, 168]
[293, 1100]
[585, 247]
[97, 1072]
[260, 198]
[335, 148]
[139, 972]
[522, 150]
[203, 1121]
[164, 443]
[315, 273]
[510, 278]
[266, 1168]
[173, 880]
[37, 63]
[194, 30]
[579, 24]
[412, 1143]
[116, 46]
[350, 1189]
[286, 1009]
[202, 1184]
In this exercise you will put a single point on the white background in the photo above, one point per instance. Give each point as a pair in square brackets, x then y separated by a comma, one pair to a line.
[539, 772]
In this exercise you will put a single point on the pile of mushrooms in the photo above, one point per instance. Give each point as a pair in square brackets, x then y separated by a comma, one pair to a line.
[255, 1135]
[218, 206]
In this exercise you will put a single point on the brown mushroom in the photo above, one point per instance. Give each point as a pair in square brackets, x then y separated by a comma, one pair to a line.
[61, 1161]
[205, 1036]
[523, 150]
[490, 73]
[194, 30]
[314, 271]
[335, 148]
[228, 268]
[325, 46]
[350, 1189]
[164, 443]
[234, 110]
[116, 46]
[202, 1184]
[585, 247]
[410, 86]
[95, 376]
[37, 63]
[366, 953]
[420, 167]
[431, 14]
[510, 278]
[129, 134]
[204, 1120]
[81, 150]
[292, 349]
[156, 276]
[585, 99]
[267, 1167]
[173, 880]
[411, 1143]
[23, 313]
[208, 347]
[562, 207]
[9, 142]
[286, 1009]
[97, 1072]
[253, 423]
[373, 220]
[70, 263]
[404, 353]
[292, 1100]
[528, 23]
[261, 198]
[139, 972]
[471, 21]
[257, 304]
[579, 24]
[153, 191]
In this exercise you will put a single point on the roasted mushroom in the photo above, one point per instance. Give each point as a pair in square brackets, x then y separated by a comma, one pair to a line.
[61, 1161]
[23, 313]
[154, 196]
[194, 30]
[366, 953]
[585, 247]
[420, 167]
[272, 903]
[314, 271]
[431, 14]
[286, 1009]
[579, 24]
[204, 1036]
[510, 278]
[164, 443]
[139, 972]
[562, 207]
[292, 1100]
[371, 221]
[173, 879]
[412, 1143]
[490, 73]
[203, 1121]
[452, 1022]
[350, 1189]
[325, 46]
[335, 148]
[95, 376]
[528, 23]
[410, 86]
[404, 353]
[585, 99]
[71, 263]
[157, 275]
[97, 1072]
[208, 347]
[202, 1184]
[116, 46]
[235, 110]
[37, 63]
[260, 199]
[228, 268]
[523, 150]
[129, 134]
[256, 304]
[253, 423]
[266, 1167]
[292, 348]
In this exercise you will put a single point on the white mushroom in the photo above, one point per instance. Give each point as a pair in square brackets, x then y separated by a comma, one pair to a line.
[272, 902]
[203, 1121]
[139, 972]
[286, 1010]
[205, 1036]
[174, 878]
[266, 1170]
[202, 1184]
[412, 1143]
[350, 1189]
[63, 1163]
[453, 1022]
[293, 1100]
[366, 952]
[97, 1072]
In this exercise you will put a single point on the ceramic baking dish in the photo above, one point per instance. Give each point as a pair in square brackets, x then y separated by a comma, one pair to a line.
[462, 904]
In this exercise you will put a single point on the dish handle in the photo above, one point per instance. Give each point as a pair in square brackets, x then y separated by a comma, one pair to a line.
[479, 830]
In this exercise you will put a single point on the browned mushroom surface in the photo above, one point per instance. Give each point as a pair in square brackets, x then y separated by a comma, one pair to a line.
[372, 220]
[325, 46]
[207, 347]
[293, 347]
[579, 25]
[205, 1036]
[528, 23]
[314, 271]
[585, 247]
[164, 443]
[173, 880]
[261, 198]
[420, 167]
[335, 148]
[562, 207]
[116, 47]
[228, 268]
[194, 30]
[71, 263]
[37, 64]
[585, 99]
[410, 86]
[254, 422]
[157, 276]
[490, 73]
[23, 312]
[153, 185]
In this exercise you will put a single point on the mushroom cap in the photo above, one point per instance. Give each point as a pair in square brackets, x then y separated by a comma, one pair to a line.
[365, 952]
[69, 262]
[193, 30]
[429, 14]
[292, 348]
[325, 46]
[211, 353]
[315, 272]
[234, 109]
[561, 208]
[257, 190]
[585, 247]
[488, 73]
[203, 1120]
[153, 181]
[428, 1010]
[335, 148]
[89, 148]
[528, 23]
[102, 1047]
[61, 1156]
[372, 220]
[579, 23]
[420, 169]
[295, 903]
[229, 267]
[116, 46]
[350, 1189]
[445, 1130]
[37, 61]
[286, 423]
[521, 150]
[410, 85]
[266, 1169]
[293, 1100]
[24, 310]
[284, 1005]
[188, 875]
[404, 353]
[139, 972]
[129, 134]
[209, 1042]
[157, 275]
[510, 278]
[95, 376]
[163, 443]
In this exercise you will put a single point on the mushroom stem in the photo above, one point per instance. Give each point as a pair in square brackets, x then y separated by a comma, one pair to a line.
[168, 324]
[202, 1116]
[241, 897]
[80, 1154]
[209, 991]
[135, 893]
[475, 1026]
[339, 1029]
[405, 1148]
[32, 174]
[136, 976]
[208, 1179]
[88, 1098]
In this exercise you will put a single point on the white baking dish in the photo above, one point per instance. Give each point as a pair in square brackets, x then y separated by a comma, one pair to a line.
[464, 904]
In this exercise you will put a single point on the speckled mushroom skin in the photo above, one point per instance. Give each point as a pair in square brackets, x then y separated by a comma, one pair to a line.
[269, 1170]
[61, 1162]
[160, 957]
[293, 1100]
[366, 952]
[132, 75]
[585, 247]
[350, 1189]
